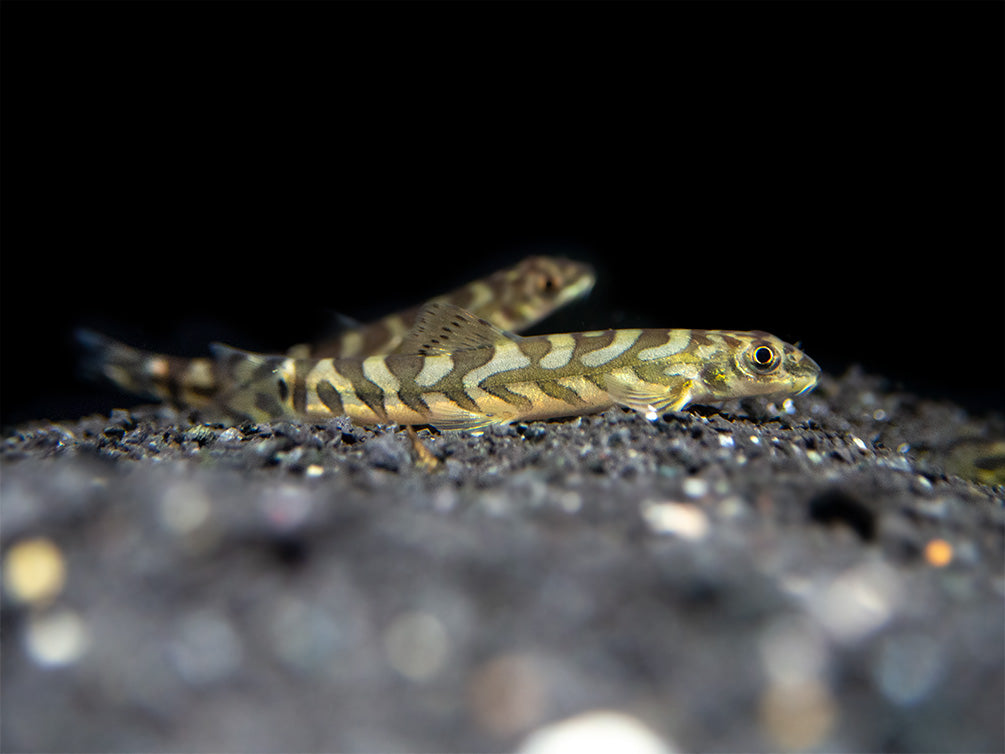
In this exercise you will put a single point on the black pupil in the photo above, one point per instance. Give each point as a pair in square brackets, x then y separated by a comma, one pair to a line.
[762, 355]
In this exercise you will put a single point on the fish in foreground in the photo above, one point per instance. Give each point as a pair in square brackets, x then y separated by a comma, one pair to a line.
[456, 371]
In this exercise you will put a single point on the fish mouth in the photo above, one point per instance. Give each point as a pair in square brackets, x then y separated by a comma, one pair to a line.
[809, 371]
[808, 386]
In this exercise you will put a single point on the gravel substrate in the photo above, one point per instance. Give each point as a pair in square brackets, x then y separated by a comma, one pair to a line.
[807, 576]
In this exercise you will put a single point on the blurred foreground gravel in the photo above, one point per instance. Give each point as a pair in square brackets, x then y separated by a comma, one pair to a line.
[808, 576]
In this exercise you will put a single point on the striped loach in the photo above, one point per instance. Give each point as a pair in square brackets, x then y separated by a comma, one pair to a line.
[454, 370]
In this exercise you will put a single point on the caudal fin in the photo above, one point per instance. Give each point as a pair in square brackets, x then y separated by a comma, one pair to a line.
[189, 382]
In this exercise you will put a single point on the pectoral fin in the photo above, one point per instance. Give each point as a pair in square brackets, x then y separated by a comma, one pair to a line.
[647, 398]
[456, 417]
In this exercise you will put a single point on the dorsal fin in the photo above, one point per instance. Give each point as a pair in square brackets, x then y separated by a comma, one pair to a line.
[445, 328]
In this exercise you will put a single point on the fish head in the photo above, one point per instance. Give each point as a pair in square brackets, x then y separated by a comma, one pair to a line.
[746, 364]
[763, 364]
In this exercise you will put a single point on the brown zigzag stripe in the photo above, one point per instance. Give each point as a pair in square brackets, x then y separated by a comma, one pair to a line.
[504, 393]
[405, 369]
[368, 392]
[284, 390]
[588, 343]
[465, 361]
[534, 349]
[330, 397]
[650, 339]
[301, 367]
[560, 392]
[268, 403]
[700, 337]
[462, 399]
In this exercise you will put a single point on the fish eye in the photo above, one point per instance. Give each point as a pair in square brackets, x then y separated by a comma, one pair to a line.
[547, 283]
[763, 357]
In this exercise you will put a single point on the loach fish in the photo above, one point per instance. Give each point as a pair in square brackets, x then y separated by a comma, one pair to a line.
[514, 299]
[454, 370]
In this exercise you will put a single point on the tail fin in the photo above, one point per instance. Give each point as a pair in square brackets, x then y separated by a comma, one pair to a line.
[108, 359]
[191, 382]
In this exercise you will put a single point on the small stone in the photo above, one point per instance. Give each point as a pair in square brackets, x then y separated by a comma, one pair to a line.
[695, 487]
[231, 434]
[57, 638]
[184, 507]
[416, 645]
[596, 731]
[682, 519]
[200, 434]
[34, 571]
[385, 452]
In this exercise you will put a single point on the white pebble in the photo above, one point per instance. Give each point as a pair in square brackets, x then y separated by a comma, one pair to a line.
[57, 638]
[416, 645]
[682, 519]
[230, 434]
[695, 487]
[596, 732]
[184, 507]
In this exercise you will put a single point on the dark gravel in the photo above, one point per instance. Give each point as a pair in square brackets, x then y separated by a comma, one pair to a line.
[814, 576]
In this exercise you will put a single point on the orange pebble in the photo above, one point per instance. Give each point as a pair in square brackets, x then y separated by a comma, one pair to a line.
[938, 553]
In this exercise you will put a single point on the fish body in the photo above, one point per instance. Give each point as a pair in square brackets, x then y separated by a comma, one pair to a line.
[514, 298]
[454, 370]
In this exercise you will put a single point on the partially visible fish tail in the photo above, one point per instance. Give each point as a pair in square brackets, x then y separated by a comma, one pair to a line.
[184, 381]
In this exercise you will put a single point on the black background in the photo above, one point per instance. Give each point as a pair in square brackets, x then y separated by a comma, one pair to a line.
[179, 173]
